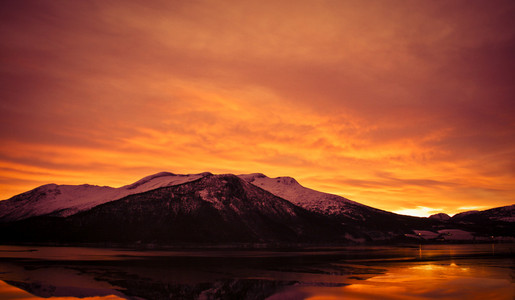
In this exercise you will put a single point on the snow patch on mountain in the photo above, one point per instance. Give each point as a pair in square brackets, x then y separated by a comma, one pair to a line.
[161, 180]
[208, 196]
[288, 188]
[456, 235]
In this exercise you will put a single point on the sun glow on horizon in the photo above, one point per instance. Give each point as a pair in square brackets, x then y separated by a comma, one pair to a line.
[420, 211]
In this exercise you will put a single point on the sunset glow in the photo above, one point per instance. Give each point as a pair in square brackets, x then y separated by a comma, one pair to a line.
[404, 106]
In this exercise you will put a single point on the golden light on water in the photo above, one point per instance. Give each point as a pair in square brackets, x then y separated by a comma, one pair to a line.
[422, 281]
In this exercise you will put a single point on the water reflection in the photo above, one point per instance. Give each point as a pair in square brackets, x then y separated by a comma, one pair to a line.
[428, 281]
[426, 272]
[11, 292]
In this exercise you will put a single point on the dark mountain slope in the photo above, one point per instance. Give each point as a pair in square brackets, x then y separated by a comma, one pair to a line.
[500, 214]
[213, 209]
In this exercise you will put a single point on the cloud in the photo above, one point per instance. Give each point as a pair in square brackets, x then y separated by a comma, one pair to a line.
[387, 105]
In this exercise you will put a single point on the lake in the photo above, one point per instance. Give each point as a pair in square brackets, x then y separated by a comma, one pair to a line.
[478, 271]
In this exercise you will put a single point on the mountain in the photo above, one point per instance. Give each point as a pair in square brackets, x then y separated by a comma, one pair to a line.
[211, 209]
[66, 200]
[440, 216]
[169, 209]
[288, 188]
[376, 223]
[499, 214]
[496, 224]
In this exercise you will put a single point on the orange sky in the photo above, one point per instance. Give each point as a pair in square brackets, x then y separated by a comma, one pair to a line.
[402, 105]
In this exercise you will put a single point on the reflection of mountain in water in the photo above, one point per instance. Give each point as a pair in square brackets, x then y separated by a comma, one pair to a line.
[465, 270]
[139, 288]
[171, 278]
[46, 290]
[224, 289]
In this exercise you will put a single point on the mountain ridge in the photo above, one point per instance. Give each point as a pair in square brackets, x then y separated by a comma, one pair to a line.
[214, 208]
[162, 179]
[207, 208]
[66, 200]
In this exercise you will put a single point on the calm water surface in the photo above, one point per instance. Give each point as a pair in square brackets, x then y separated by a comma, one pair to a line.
[410, 272]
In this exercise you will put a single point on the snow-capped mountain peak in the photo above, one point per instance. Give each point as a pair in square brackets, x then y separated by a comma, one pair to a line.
[66, 200]
[162, 179]
[261, 179]
[288, 188]
[147, 179]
